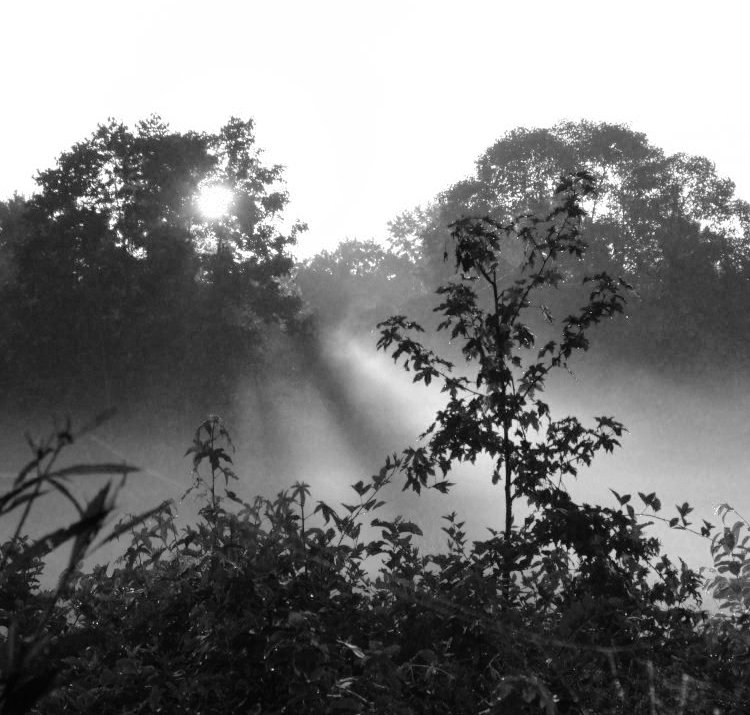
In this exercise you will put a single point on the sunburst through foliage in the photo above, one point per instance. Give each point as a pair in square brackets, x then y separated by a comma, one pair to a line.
[215, 201]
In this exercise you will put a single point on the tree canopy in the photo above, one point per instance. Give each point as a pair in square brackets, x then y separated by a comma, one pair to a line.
[356, 284]
[668, 223]
[112, 267]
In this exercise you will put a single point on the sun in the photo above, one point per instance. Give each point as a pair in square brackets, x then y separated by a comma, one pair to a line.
[214, 201]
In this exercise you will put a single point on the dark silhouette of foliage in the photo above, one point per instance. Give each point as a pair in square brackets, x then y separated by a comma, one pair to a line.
[32, 622]
[114, 271]
[667, 223]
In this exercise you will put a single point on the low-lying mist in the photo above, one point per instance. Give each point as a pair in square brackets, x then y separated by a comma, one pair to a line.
[329, 413]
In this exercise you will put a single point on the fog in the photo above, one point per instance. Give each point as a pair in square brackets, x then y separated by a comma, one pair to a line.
[329, 417]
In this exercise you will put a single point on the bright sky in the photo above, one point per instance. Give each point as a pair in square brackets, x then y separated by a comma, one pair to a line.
[373, 107]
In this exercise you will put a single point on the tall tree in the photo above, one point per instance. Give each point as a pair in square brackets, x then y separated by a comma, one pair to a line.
[116, 265]
[668, 223]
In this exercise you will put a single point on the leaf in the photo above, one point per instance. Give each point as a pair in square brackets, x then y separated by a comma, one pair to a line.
[409, 528]
[650, 500]
[94, 469]
[23, 499]
[361, 488]
[624, 499]
[52, 540]
[353, 648]
[134, 521]
[443, 486]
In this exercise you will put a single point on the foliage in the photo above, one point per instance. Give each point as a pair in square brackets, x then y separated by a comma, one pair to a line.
[31, 620]
[116, 271]
[668, 224]
[357, 283]
[271, 606]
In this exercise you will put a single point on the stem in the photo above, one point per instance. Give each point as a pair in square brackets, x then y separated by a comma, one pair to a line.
[304, 540]
[501, 358]
[507, 447]
[508, 484]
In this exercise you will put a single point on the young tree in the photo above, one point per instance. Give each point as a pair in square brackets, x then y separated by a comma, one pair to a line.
[499, 410]
[561, 548]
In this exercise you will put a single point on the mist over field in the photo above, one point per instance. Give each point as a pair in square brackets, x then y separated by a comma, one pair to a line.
[331, 422]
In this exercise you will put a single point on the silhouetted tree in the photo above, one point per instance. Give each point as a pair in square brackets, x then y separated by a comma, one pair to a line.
[667, 223]
[114, 267]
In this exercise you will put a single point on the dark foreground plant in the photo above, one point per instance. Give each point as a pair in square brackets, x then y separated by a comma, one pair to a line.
[30, 619]
[249, 611]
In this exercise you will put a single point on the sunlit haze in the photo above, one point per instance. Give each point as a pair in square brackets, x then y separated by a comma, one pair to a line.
[372, 108]
[214, 201]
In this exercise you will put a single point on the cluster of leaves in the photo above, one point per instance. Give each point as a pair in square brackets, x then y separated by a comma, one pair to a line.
[270, 606]
[111, 270]
[33, 623]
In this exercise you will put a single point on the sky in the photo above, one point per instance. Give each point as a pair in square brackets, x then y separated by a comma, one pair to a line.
[373, 107]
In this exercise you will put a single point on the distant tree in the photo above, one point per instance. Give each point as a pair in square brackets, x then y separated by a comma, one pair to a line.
[356, 284]
[114, 264]
[669, 224]
[641, 192]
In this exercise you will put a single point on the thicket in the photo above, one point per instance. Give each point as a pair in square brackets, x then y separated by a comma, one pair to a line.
[274, 606]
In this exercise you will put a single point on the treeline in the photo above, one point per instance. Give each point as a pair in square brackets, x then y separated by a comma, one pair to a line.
[110, 275]
[668, 224]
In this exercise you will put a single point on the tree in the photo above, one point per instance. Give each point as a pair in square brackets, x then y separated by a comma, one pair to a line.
[355, 284]
[649, 209]
[486, 312]
[562, 556]
[116, 269]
